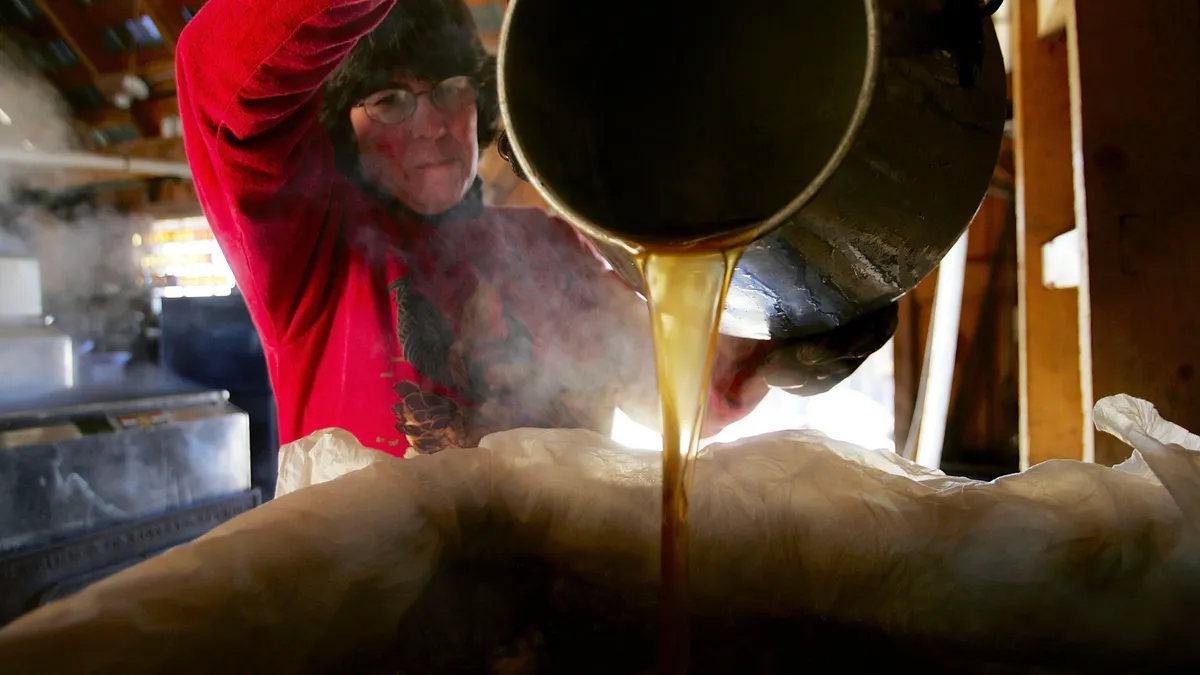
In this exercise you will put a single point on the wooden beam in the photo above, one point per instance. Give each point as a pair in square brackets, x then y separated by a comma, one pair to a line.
[168, 18]
[982, 417]
[148, 115]
[1052, 16]
[84, 39]
[162, 149]
[67, 79]
[1135, 102]
[911, 339]
[1048, 321]
[99, 118]
[907, 351]
[165, 149]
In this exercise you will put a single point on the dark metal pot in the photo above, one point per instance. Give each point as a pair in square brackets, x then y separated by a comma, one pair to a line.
[847, 142]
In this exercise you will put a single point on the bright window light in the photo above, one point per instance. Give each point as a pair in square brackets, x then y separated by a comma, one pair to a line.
[859, 410]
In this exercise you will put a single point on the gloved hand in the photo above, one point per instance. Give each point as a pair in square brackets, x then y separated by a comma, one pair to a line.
[815, 364]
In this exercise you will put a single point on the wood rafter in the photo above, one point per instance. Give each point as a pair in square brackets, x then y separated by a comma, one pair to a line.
[1133, 73]
[167, 17]
[83, 39]
[1051, 426]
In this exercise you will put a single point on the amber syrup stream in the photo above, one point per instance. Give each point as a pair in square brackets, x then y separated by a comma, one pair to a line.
[686, 293]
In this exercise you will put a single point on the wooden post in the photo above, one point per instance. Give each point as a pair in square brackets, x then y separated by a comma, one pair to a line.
[908, 358]
[1135, 99]
[1048, 324]
[906, 368]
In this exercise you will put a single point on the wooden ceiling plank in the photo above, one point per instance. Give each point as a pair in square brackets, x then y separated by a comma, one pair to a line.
[67, 79]
[114, 14]
[105, 117]
[169, 20]
[82, 38]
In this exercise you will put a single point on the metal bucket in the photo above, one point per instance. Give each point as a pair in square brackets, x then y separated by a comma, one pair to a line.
[847, 142]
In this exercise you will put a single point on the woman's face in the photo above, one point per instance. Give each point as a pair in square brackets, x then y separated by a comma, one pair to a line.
[418, 141]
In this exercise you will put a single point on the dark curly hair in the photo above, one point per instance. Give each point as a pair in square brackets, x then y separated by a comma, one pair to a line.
[427, 40]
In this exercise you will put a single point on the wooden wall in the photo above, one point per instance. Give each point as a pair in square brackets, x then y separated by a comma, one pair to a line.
[1052, 420]
[1107, 144]
[981, 427]
[1135, 93]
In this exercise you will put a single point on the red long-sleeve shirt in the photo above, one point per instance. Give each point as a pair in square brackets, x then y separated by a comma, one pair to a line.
[402, 332]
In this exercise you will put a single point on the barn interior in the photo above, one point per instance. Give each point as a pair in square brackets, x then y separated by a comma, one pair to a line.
[128, 354]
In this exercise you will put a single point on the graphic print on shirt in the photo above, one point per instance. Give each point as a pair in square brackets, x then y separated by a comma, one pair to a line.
[485, 365]
[428, 421]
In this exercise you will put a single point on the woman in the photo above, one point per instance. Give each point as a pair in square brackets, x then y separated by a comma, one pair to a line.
[334, 145]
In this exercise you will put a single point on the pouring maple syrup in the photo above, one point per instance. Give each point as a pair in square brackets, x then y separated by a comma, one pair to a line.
[686, 293]
[676, 135]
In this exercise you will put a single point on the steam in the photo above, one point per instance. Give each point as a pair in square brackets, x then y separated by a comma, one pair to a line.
[32, 117]
[544, 339]
[89, 277]
[87, 263]
[594, 348]
[11, 243]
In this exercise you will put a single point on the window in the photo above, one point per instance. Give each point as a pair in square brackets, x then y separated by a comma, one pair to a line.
[85, 98]
[18, 11]
[144, 32]
[189, 11]
[113, 135]
[53, 55]
[134, 34]
[61, 54]
[171, 126]
[180, 258]
[860, 410]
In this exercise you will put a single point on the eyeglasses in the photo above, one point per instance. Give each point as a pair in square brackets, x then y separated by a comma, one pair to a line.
[394, 106]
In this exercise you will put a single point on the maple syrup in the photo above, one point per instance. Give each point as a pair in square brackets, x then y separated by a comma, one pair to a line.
[686, 293]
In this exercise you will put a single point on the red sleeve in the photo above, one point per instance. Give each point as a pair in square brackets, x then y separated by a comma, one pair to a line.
[737, 385]
[248, 76]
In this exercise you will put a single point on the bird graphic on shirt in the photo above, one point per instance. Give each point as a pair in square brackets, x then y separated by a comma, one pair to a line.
[484, 364]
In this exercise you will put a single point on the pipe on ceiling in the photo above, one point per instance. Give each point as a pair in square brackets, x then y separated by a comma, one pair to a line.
[84, 160]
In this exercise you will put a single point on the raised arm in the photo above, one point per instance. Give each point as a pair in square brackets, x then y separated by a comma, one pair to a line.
[249, 73]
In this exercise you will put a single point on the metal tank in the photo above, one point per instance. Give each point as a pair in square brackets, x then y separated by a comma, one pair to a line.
[847, 143]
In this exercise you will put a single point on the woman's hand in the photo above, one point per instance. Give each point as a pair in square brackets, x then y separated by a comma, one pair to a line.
[745, 370]
[815, 364]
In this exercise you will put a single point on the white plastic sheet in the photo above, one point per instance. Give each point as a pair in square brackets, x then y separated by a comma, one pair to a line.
[1066, 555]
[322, 457]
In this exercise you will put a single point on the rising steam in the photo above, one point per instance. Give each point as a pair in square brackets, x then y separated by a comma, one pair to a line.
[87, 265]
[33, 116]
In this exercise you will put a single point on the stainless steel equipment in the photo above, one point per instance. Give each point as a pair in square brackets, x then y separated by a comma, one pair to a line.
[35, 358]
[83, 460]
[212, 342]
[99, 474]
[847, 142]
[36, 576]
